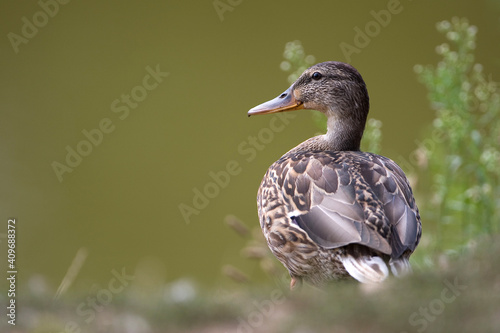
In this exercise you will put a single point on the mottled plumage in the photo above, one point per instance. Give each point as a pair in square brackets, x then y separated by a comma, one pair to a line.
[328, 210]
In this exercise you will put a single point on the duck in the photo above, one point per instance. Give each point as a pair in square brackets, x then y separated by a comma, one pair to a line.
[329, 211]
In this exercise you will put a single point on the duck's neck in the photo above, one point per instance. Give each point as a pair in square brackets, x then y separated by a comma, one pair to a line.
[341, 136]
[344, 134]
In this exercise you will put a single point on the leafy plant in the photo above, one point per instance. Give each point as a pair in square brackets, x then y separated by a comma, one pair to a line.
[460, 164]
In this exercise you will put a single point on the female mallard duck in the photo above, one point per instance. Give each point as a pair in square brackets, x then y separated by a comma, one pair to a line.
[328, 210]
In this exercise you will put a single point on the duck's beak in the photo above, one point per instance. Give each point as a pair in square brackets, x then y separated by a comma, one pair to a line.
[284, 102]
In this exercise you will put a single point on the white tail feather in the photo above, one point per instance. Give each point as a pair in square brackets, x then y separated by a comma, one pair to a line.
[366, 269]
[400, 267]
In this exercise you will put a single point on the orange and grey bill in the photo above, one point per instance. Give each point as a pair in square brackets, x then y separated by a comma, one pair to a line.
[284, 102]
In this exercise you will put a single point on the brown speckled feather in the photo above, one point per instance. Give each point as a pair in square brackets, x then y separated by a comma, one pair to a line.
[332, 199]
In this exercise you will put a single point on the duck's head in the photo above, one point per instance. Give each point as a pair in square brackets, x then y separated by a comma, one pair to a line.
[334, 88]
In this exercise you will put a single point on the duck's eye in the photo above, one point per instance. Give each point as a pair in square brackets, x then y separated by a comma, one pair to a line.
[316, 76]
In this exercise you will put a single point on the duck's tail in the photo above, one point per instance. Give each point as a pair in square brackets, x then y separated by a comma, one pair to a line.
[400, 267]
[373, 269]
[366, 269]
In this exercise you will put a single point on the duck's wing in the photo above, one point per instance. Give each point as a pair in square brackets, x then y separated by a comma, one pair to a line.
[341, 198]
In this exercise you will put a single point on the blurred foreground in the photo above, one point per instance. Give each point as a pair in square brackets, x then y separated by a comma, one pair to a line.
[460, 294]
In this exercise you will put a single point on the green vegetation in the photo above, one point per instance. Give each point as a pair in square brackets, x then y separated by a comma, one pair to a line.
[458, 178]
[465, 297]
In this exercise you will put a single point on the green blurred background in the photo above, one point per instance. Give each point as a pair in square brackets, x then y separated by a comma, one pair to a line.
[122, 202]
